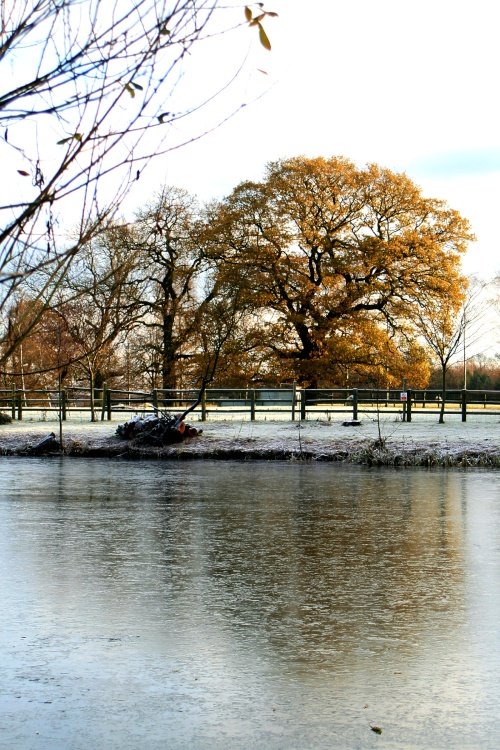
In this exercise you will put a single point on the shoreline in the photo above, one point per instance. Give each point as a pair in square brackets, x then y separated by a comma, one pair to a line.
[425, 444]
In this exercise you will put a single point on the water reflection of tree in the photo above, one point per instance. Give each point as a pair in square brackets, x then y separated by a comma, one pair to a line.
[322, 570]
[316, 565]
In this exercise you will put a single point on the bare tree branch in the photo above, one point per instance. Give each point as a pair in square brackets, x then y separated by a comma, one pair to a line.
[89, 97]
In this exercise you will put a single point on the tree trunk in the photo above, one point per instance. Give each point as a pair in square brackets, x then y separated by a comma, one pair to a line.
[168, 378]
[92, 396]
[443, 395]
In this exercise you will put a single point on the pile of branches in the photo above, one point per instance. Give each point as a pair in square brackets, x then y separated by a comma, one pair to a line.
[157, 430]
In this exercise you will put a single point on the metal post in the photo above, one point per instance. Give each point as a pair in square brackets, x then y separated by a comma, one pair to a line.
[354, 403]
[408, 405]
[155, 401]
[252, 405]
[64, 404]
[464, 405]
[204, 407]
[294, 397]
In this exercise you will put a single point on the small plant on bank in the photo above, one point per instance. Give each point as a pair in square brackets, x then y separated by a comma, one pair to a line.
[381, 441]
[300, 439]
[5, 418]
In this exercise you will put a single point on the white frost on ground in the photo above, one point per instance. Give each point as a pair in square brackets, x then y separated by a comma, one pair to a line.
[480, 434]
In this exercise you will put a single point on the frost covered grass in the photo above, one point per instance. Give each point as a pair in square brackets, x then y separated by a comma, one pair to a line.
[423, 442]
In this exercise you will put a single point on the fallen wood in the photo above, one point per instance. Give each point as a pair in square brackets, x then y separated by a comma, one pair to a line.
[152, 430]
[49, 444]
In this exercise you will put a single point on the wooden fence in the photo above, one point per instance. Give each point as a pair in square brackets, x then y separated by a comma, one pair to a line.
[247, 403]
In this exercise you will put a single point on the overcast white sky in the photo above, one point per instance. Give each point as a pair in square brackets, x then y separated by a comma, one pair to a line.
[413, 86]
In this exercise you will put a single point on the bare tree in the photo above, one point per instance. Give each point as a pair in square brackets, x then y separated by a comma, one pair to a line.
[177, 275]
[453, 334]
[80, 331]
[87, 101]
[494, 288]
[100, 304]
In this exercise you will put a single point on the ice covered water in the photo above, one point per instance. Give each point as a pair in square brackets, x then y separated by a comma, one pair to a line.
[247, 605]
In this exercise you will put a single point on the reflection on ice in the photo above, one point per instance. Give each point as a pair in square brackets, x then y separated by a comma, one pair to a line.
[236, 605]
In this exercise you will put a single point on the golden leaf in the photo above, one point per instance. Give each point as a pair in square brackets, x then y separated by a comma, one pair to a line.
[264, 39]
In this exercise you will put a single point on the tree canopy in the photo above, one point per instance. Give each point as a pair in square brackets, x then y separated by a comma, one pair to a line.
[325, 245]
[322, 273]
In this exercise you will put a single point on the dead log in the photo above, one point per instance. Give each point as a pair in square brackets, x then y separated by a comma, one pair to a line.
[49, 444]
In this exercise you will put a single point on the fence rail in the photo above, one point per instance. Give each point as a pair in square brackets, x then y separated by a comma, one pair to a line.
[283, 403]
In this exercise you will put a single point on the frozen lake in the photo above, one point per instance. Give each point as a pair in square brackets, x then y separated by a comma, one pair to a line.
[234, 605]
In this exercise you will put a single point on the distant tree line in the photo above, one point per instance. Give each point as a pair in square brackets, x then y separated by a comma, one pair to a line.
[322, 273]
[483, 374]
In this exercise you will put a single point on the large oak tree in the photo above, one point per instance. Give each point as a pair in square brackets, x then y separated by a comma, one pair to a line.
[323, 245]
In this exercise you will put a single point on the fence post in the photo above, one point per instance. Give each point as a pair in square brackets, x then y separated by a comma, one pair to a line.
[64, 402]
[294, 397]
[252, 405]
[13, 402]
[19, 399]
[204, 406]
[302, 404]
[354, 403]
[464, 405]
[103, 401]
[108, 404]
[408, 405]
[155, 401]
[404, 402]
